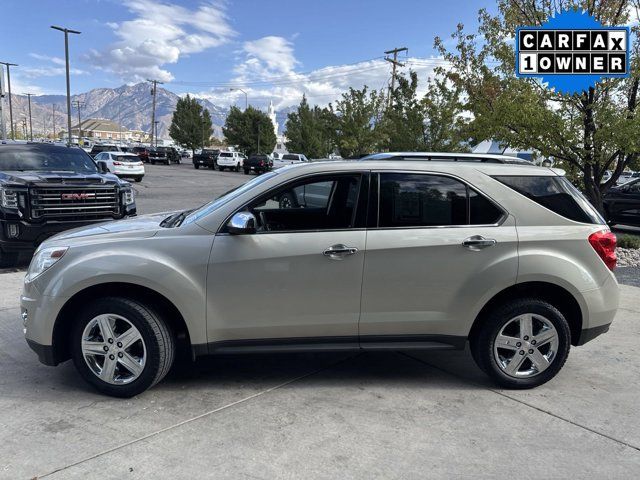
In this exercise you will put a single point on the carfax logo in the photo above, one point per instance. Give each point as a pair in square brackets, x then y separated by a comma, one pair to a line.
[572, 51]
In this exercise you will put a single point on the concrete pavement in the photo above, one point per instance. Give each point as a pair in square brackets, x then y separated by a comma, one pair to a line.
[383, 415]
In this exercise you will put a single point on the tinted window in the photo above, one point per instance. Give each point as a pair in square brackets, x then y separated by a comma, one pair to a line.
[328, 203]
[555, 193]
[481, 210]
[290, 157]
[415, 200]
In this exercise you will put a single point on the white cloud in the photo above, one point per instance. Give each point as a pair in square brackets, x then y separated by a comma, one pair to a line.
[158, 35]
[267, 71]
[46, 58]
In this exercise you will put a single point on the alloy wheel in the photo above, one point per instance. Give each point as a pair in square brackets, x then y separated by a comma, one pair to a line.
[526, 345]
[113, 349]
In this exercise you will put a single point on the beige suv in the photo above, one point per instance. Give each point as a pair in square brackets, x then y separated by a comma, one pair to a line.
[360, 255]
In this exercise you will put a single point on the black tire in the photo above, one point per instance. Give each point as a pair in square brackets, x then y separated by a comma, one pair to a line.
[138, 179]
[246, 171]
[158, 338]
[483, 342]
[236, 168]
[152, 162]
[167, 162]
[196, 166]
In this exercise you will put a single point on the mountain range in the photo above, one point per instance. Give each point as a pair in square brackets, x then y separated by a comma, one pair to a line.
[128, 105]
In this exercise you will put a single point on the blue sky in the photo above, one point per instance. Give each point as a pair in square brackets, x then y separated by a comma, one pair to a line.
[272, 49]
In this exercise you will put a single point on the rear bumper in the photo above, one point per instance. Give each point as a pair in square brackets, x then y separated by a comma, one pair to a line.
[589, 334]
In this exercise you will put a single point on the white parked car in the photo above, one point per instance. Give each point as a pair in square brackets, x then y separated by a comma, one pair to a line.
[127, 165]
[231, 160]
[289, 159]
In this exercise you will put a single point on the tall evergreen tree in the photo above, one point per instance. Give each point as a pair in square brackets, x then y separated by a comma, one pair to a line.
[252, 131]
[311, 131]
[191, 125]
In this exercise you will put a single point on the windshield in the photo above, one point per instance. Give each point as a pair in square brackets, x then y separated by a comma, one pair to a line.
[225, 154]
[28, 158]
[227, 197]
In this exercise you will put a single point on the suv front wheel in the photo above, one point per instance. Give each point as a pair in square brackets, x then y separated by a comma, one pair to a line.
[522, 344]
[121, 346]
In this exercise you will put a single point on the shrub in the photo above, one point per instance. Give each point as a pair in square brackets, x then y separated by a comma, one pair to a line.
[628, 241]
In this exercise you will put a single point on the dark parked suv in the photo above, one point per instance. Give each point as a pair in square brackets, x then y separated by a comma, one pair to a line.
[622, 204]
[45, 189]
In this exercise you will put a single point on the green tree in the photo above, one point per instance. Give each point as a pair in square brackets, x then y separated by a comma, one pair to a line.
[311, 131]
[446, 127]
[589, 132]
[358, 122]
[403, 122]
[191, 125]
[251, 131]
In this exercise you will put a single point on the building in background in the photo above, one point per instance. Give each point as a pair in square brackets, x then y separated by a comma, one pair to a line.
[103, 130]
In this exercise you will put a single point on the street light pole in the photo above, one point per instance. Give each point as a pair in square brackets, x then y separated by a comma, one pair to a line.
[29, 95]
[66, 55]
[9, 88]
[246, 98]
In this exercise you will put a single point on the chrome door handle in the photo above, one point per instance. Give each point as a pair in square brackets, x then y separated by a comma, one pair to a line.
[338, 251]
[478, 242]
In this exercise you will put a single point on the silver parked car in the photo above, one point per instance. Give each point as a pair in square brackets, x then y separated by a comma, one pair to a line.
[365, 255]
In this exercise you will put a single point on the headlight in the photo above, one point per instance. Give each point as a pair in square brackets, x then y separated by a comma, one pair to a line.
[44, 259]
[128, 197]
[9, 198]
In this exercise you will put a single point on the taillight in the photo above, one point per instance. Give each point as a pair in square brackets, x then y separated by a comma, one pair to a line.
[604, 243]
[117, 164]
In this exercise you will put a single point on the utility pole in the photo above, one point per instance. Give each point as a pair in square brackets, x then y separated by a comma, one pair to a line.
[154, 90]
[66, 55]
[53, 118]
[155, 123]
[29, 95]
[78, 104]
[9, 65]
[395, 64]
[3, 130]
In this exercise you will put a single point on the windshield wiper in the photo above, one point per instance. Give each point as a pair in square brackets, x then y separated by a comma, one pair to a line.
[175, 220]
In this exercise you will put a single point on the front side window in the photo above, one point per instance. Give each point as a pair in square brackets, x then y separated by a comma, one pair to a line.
[423, 200]
[326, 203]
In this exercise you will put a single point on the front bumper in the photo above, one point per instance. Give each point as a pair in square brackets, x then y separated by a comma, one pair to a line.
[45, 353]
[33, 234]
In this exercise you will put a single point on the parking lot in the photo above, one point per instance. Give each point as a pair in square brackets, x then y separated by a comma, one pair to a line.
[369, 415]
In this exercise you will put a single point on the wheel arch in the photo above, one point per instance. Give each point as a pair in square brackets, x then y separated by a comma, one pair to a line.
[67, 314]
[556, 295]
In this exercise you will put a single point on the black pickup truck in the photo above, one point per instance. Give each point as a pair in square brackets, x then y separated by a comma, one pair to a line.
[164, 155]
[46, 189]
[206, 158]
[258, 163]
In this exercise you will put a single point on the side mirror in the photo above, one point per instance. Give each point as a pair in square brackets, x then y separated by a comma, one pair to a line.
[242, 223]
[102, 167]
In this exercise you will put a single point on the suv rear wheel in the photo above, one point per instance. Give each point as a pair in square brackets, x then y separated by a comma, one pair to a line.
[522, 344]
[121, 346]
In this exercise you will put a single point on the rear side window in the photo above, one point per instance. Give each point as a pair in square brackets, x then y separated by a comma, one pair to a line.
[555, 193]
[419, 200]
